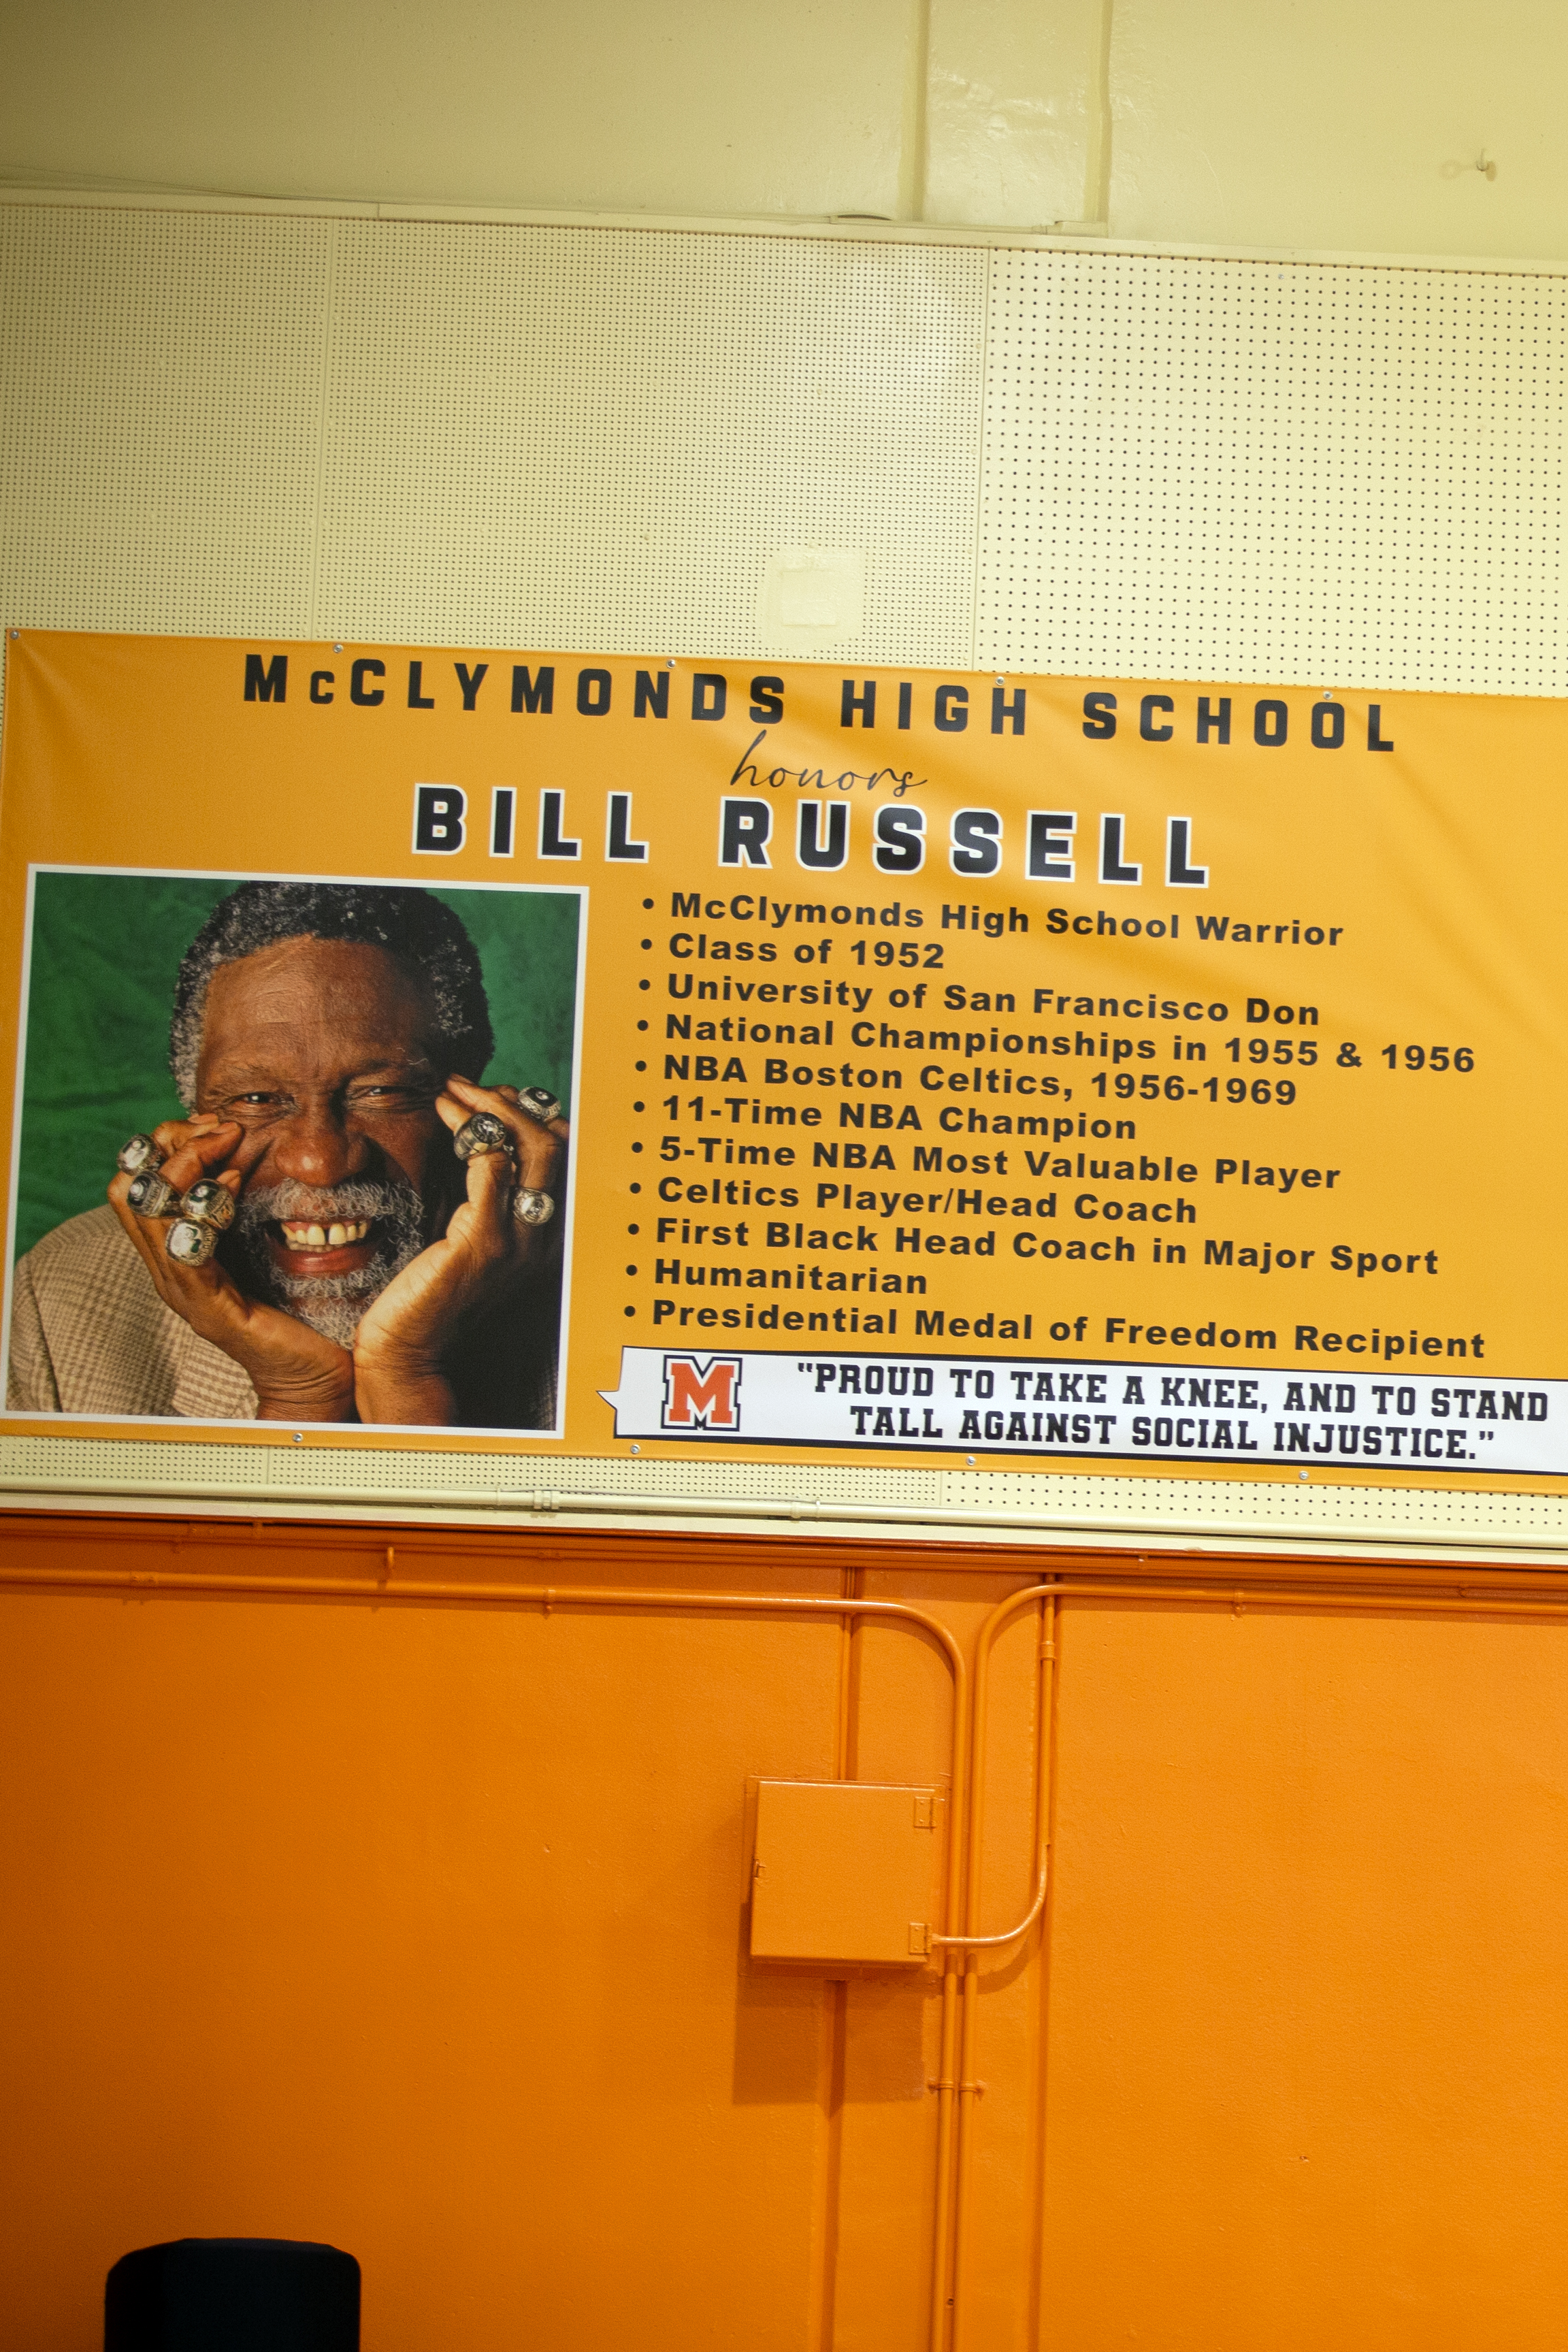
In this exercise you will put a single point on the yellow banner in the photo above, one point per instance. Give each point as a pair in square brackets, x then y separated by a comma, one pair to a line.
[596, 1053]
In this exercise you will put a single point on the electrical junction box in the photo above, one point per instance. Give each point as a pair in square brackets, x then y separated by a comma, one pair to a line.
[843, 1873]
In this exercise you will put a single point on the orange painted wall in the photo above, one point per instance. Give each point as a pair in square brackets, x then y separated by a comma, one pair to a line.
[420, 1929]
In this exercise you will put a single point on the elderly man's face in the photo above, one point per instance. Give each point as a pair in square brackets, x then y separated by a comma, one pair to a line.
[327, 1054]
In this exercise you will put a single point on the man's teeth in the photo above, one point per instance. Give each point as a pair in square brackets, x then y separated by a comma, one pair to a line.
[307, 1237]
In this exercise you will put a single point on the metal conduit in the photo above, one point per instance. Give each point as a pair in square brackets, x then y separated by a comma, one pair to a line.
[1051, 1597]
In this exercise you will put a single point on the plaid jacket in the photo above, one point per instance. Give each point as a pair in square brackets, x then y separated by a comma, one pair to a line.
[89, 1335]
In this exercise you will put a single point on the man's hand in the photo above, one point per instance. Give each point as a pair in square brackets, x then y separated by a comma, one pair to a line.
[298, 1375]
[403, 1341]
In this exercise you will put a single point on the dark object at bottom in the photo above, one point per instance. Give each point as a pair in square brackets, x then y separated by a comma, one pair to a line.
[233, 2295]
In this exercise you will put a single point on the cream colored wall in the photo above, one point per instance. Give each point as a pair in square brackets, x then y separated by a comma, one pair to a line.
[749, 106]
[1329, 126]
[1341, 124]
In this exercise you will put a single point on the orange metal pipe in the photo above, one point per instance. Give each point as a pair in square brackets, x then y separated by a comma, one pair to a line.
[944, 2216]
[1237, 1595]
[960, 2091]
[978, 1726]
[969, 1942]
[828, 1553]
[1051, 1596]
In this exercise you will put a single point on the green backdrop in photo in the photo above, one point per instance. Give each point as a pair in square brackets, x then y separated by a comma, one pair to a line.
[106, 953]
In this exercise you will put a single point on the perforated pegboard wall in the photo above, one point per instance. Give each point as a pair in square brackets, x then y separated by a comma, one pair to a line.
[478, 434]
[159, 396]
[596, 439]
[1091, 461]
[1310, 473]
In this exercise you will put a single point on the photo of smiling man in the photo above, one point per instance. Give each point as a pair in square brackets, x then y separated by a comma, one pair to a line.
[344, 1221]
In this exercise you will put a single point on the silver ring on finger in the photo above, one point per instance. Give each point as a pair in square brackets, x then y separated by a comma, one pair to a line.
[208, 1203]
[141, 1151]
[538, 1103]
[151, 1195]
[480, 1135]
[530, 1208]
[191, 1243]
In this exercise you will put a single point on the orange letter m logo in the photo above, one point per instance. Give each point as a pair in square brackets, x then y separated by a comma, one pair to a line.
[702, 1396]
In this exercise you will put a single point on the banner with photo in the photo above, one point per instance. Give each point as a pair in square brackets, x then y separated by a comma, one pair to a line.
[590, 1053]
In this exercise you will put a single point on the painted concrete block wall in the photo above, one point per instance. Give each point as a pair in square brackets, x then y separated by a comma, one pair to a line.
[1326, 127]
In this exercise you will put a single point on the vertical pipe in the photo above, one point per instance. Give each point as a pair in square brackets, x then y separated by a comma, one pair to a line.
[942, 2228]
[1098, 145]
[914, 127]
[835, 2025]
[1045, 1729]
[979, 1727]
[968, 2089]
[947, 2071]
[847, 1762]
[836, 1996]
[1046, 1784]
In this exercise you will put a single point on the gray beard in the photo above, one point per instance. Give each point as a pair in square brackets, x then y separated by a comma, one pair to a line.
[331, 1304]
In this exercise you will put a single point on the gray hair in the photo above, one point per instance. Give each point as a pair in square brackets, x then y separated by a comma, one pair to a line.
[420, 931]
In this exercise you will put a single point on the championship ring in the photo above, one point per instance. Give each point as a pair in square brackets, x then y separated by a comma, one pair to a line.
[539, 1104]
[152, 1196]
[208, 1203]
[190, 1243]
[532, 1208]
[479, 1136]
[139, 1153]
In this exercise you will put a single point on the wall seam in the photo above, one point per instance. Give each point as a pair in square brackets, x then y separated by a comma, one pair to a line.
[914, 157]
[980, 236]
[1097, 178]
